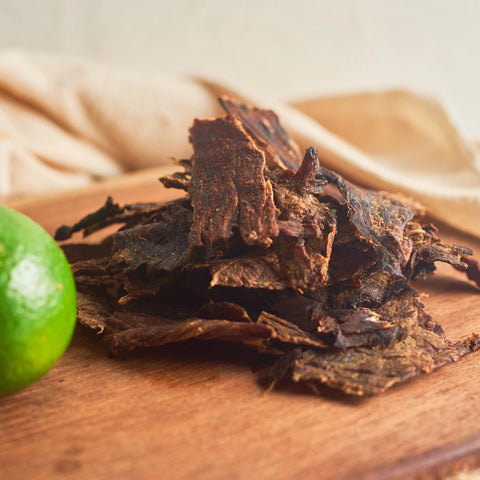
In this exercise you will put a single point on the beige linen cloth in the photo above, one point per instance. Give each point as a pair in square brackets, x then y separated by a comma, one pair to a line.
[65, 123]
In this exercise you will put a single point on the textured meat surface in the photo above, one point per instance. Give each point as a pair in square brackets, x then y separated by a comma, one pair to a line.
[275, 253]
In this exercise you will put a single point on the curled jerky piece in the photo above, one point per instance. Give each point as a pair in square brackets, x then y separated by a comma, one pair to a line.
[97, 217]
[369, 327]
[379, 219]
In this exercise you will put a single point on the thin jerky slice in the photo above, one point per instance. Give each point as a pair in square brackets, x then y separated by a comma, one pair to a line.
[227, 310]
[93, 273]
[108, 209]
[299, 257]
[379, 219]
[228, 187]
[281, 151]
[126, 331]
[393, 321]
[93, 310]
[288, 333]
[111, 214]
[154, 247]
[180, 180]
[370, 371]
[272, 269]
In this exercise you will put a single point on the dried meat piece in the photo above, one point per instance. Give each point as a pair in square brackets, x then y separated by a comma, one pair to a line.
[379, 219]
[288, 333]
[308, 179]
[107, 210]
[179, 180]
[304, 268]
[264, 126]
[126, 331]
[153, 247]
[307, 230]
[228, 187]
[370, 371]
[111, 214]
[93, 310]
[393, 321]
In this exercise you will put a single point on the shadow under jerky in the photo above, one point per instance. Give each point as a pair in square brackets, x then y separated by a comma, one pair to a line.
[260, 228]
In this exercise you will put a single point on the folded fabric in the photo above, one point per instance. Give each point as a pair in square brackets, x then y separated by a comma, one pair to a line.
[65, 123]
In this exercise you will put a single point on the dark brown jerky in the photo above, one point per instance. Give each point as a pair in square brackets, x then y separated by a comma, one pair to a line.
[179, 180]
[307, 230]
[298, 264]
[228, 188]
[428, 249]
[379, 220]
[111, 214]
[154, 247]
[127, 331]
[370, 371]
[289, 333]
[264, 126]
[226, 310]
[307, 179]
[97, 217]
[303, 268]
[93, 309]
[394, 320]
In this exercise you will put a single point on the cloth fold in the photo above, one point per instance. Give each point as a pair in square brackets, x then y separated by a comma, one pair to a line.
[66, 122]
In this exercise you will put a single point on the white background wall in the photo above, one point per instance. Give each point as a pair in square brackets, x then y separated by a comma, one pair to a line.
[287, 49]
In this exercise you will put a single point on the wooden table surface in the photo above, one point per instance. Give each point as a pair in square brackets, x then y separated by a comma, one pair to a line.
[195, 410]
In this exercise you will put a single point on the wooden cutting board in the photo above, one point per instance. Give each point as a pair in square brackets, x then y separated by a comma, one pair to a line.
[196, 411]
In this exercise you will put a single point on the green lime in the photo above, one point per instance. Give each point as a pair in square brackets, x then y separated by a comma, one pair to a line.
[37, 301]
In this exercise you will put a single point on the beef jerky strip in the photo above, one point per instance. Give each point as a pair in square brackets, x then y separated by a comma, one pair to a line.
[127, 331]
[379, 219]
[153, 247]
[93, 309]
[393, 321]
[64, 232]
[370, 371]
[228, 187]
[263, 125]
[307, 232]
[289, 333]
[272, 269]
[110, 213]
[180, 180]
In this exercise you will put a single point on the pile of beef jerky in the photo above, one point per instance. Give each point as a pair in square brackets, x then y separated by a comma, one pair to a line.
[261, 228]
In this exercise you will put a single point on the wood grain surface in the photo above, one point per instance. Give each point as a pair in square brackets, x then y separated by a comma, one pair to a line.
[195, 410]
